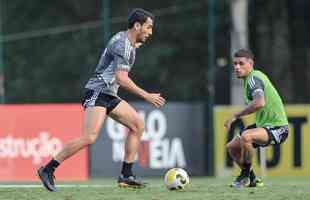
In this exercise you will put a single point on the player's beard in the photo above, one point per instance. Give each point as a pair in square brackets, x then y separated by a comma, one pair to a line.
[140, 40]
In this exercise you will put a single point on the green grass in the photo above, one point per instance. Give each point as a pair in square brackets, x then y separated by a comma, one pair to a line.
[276, 188]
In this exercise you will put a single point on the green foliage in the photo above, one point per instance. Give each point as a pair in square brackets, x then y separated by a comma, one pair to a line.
[54, 67]
[48, 63]
[281, 43]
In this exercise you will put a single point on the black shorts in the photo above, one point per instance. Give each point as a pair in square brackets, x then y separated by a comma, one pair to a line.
[97, 98]
[276, 134]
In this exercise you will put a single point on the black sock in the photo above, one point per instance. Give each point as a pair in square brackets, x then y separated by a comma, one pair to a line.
[247, 168]
[252, 174]
[52, 165]
[126, 170]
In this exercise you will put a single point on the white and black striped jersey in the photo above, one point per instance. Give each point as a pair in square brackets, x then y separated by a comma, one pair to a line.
[119, 54]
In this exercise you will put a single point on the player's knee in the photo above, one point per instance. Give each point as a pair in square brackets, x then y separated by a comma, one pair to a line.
[246, 137]
[233, 144]
[231, 147]
[138, 127]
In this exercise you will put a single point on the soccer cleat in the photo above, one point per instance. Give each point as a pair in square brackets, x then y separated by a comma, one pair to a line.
[255, 181]
[130, 182]
[243, 180]
[47, 178]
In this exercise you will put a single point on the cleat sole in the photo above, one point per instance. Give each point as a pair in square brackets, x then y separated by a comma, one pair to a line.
[125, 185]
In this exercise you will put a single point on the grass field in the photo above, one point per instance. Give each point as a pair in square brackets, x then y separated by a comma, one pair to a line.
[280, 188]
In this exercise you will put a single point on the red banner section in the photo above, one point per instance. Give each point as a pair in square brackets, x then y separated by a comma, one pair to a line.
[31, 134]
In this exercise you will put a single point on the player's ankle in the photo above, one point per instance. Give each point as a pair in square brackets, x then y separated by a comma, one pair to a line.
[247, 169]
[127, 169]
[52, 165]
[252, 174]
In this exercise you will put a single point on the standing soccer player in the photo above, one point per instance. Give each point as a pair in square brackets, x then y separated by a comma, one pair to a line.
[271, 127]
[101, 99]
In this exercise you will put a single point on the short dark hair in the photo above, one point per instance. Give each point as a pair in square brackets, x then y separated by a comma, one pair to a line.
[244, 53]
[138, 15]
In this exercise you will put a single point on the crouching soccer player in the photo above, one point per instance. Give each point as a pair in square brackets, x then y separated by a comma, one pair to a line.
[271, 127]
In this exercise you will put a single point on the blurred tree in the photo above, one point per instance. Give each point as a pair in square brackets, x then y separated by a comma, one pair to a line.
[51, 47]
[299, 26]
[278, 38]
[53, 67]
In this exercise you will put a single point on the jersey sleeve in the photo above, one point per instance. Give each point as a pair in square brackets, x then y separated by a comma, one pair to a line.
[255, 84]
[120, 51]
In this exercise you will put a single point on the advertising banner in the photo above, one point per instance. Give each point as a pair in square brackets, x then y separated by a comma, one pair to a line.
[288, 159]
[31, 134]
[173, 137]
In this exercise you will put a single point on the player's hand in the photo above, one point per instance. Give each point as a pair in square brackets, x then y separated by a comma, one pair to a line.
[155, 99]
[229, 121]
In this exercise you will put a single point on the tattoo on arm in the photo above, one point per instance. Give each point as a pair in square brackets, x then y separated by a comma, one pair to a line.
[258, 95]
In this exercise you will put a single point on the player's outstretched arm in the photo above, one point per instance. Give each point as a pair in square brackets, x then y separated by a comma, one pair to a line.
[125, 82]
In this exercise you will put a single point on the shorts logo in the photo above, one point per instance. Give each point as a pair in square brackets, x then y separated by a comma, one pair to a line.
[279, 134]
[92, 100]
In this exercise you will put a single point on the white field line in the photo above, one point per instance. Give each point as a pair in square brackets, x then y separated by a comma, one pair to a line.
[58, 186]
[62, 186]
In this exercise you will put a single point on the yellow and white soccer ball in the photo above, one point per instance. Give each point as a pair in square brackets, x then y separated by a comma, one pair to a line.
[176, 179]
